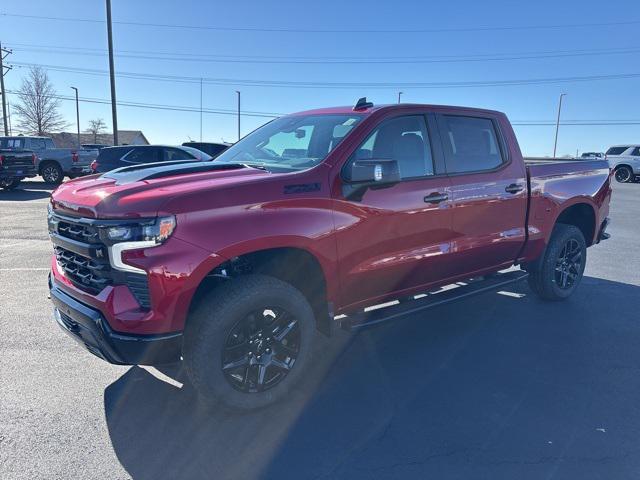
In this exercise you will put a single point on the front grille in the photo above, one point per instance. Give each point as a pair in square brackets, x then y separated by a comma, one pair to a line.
[83, 233]
[85, 273]
[89, 273]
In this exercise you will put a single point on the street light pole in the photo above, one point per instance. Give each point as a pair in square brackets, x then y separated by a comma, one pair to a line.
[200, 108]
[555, 143]
[112, 76]
[399, 95]
[77, 114]
[238, 92]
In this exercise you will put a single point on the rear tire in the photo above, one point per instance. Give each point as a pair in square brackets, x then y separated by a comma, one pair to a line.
[624, 174]
[9, 183]
[52, 173]
[557, 274]
[237, 349]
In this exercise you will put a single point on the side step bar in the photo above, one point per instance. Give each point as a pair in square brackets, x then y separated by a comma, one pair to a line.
[447, 294]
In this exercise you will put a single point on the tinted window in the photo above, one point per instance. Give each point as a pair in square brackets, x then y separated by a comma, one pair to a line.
[636, 152]
[470, 144]
[141, 155]
[403, 139]
[170, 154]
[113, 153]
[616, 150]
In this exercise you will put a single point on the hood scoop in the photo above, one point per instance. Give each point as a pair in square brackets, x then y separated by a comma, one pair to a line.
[149, 171]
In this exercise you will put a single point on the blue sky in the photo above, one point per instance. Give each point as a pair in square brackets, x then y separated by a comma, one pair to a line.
[449, 52]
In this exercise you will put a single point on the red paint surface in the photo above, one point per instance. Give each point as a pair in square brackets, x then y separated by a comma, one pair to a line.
[388, 244]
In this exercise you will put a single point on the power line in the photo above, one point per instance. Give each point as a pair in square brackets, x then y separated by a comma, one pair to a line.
[486, 28]
[220, 111]
[155, 106]
[334, 85]
[175, 56]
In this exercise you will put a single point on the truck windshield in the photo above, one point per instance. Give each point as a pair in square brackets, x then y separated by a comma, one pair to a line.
[291, 143]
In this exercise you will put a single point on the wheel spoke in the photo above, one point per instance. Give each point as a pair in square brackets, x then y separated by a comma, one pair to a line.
[280, 364]
[236, 363]
[285, 331]
[262, 370]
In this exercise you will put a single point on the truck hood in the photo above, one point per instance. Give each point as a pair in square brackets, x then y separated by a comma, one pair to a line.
[125, 196]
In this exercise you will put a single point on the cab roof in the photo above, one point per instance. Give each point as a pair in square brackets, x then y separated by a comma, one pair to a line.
[345, 110]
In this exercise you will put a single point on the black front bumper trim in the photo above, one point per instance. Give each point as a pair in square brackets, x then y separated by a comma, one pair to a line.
[88, 327]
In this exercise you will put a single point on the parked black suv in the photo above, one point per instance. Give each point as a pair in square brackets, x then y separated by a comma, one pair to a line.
[111, 158]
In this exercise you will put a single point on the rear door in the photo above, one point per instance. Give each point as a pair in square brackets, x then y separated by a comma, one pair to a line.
[488, 190]
[395, 238]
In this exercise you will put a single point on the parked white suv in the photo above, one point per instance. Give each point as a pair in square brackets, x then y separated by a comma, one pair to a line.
[625, 161]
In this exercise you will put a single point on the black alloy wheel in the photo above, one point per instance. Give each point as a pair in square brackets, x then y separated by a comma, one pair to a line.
[261, 349]
[568, 264]
[623, 174]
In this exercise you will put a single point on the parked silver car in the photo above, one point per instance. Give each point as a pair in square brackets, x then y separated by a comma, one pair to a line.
[625, 161]
[53, 163]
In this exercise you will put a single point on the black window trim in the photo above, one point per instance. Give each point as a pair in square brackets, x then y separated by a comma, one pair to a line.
[504, 151]
[437, 164]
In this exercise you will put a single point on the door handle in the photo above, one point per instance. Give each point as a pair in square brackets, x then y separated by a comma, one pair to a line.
[514, 188]
[436, 198]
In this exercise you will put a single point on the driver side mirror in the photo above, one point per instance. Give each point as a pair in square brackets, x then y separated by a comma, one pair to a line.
[361, 175]
[373, 172]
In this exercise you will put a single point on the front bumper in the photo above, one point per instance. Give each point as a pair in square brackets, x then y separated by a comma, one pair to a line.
[89, 328]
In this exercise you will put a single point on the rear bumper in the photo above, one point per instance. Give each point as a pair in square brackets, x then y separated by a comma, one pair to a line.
[89, 328]
[17, 172]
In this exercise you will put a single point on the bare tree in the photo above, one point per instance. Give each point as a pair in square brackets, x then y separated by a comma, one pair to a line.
[96, 127]
[37, 109]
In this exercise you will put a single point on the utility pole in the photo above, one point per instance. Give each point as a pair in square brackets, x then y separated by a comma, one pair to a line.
[112, 76]
[555, 143]
[77, 114]
[238, 92]
[3, 54]
[200, 108]
[399, 95]
[9, 117]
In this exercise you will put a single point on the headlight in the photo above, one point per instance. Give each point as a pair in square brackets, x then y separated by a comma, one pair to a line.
[156, 232]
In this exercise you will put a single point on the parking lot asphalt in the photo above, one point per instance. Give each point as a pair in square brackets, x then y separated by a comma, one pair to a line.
[499, 386]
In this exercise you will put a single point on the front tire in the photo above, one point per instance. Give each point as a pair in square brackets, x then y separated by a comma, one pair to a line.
[557, 274]
[9, 183]
[248, 342]
[624, 174]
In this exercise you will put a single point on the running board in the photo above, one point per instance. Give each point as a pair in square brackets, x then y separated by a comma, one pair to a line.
[447, 294]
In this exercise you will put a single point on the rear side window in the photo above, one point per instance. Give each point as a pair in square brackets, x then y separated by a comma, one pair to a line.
[403, 139]
[170, 154]
[141, 155]
[112, 154]
[470, 144]
[616, 150]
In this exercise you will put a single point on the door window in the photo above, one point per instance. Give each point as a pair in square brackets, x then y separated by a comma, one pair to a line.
[403, 139]
[141, 155]
[170, 154]
[470, 144]
[636, 152]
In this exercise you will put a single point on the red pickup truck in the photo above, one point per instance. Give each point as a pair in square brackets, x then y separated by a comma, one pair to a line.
[237, 264]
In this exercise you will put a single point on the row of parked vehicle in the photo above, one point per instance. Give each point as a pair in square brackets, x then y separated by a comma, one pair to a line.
[25, 157]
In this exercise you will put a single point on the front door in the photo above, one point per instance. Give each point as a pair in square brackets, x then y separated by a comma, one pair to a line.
[395, 238]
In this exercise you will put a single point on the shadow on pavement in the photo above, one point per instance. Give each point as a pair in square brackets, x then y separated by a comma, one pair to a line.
[496, 386]
[28, 191]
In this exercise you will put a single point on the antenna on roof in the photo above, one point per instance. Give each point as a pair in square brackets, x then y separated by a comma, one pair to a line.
[362, 104]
